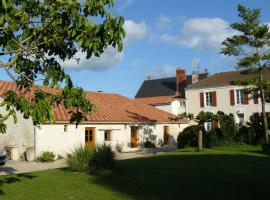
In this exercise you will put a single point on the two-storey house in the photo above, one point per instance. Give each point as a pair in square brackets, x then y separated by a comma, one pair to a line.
[216, 93]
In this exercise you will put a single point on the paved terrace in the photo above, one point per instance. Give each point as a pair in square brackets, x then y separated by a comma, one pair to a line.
[19, 167]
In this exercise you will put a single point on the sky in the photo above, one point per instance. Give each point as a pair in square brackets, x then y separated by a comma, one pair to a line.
[161, 36]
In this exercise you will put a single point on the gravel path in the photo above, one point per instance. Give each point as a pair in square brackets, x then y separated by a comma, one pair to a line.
[19, 167]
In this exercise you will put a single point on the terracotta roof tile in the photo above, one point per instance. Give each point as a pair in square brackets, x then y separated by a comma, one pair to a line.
[156, 100]
[111, 108]
[224, 79]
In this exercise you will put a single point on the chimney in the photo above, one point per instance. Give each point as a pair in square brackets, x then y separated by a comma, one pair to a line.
[180, 79]
[149, 77]
[195, 77]
[206, 71]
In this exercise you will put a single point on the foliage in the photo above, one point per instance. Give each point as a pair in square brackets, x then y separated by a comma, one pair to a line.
[103, 158]
[212, 138]
[256, 128]
[35, 36]
[149, 144]
[59, 157]
[119, 147]
[90, 159]
[227, 125]
[251, 47]
[79, 158]
[188, 137]
[243, 135]
[46, 156]
[237, 172]
[266, 147]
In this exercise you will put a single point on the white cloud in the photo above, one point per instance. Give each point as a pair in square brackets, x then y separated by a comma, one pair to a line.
[163, 72]
[164, 22]
[110, 57]
[134, 31]
[202, 34]
[125, 3]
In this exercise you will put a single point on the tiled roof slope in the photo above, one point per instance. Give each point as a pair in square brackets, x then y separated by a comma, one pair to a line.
[164, 87]
[111, 108]
[157, 100]
[224, 79]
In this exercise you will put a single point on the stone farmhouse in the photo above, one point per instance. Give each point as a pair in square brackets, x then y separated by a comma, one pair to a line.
[203, 92]
[118, 121]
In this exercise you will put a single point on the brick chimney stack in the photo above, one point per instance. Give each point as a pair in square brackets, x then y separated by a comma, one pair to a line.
[180, 78]
[195, 77]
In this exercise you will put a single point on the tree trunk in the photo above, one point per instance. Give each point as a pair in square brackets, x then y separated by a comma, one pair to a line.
[265, 123]
[200, 140]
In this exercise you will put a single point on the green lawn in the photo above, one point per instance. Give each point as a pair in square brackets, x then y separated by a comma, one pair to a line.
[241, 172]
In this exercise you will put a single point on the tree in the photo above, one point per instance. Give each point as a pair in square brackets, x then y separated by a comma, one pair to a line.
[201, 119]
[251, 47]
[34, 36]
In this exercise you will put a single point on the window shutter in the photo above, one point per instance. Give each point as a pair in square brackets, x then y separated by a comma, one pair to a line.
[255, 96]
[232, 97]
[245, 92]
[214, 124]
[201, 99]
[214, 98]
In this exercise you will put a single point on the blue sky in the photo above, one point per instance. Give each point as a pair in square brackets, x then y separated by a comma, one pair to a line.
[162, 35]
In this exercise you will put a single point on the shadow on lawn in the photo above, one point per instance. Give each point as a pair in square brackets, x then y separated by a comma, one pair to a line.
[199, 176]
[4, 180]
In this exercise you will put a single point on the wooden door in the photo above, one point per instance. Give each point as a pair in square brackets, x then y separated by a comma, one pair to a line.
[90, 137]
[134, 137]
[166, 135]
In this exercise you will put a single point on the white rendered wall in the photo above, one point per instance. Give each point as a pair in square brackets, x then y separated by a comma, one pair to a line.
[223, 102]
[174, 107]
[53, 138]
[19, 135]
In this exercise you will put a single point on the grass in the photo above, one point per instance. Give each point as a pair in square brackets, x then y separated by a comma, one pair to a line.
[239, 172]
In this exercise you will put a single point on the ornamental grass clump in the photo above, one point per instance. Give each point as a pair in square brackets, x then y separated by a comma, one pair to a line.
[79, 159]
[103, 158]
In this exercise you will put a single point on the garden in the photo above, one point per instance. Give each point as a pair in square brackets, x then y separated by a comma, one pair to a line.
[228, 172]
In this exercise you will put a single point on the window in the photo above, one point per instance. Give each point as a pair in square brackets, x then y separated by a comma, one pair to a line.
[239, 97]
[208, 99]
[182, 103]
[241, 119]
[208, 126]
[107, 135]
[65, 128]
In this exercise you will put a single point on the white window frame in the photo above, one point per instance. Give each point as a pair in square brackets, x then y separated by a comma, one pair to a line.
[182, 103]
[208, 95]
[239, 96]
[110, 135]
[241, 119]
[208, 126]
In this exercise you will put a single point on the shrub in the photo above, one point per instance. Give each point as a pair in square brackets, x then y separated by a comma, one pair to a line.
[79, 158]
[212, 138]
[46, 156]
[119, 147]
[228, 127]
[149, 144]
[103, 158]
[59, 157]
[266, 147]
[243, 135]
[188, 137]
[256, 128]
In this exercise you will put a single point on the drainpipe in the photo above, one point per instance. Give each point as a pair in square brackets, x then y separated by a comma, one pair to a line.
[35, 140]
